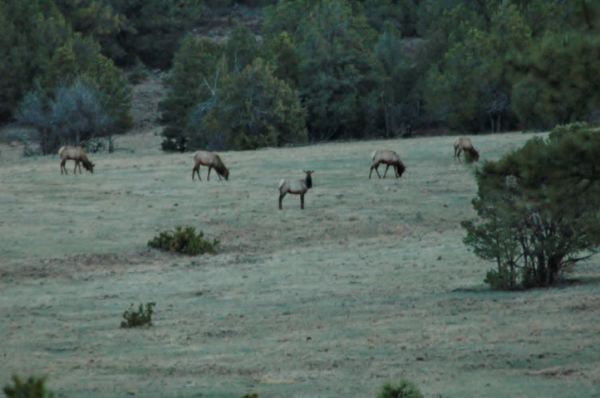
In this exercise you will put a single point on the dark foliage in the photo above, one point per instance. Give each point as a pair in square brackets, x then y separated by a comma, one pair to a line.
[538, 209]
[184, 240]
[402, 389]
[140, 318]
[33, 387]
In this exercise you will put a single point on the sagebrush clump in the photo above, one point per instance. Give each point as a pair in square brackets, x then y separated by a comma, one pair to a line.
[184, 240]
[33, 387]
[403, 389]
[139, 318]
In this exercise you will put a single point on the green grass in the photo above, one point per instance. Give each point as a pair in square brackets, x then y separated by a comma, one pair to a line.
[370, 284]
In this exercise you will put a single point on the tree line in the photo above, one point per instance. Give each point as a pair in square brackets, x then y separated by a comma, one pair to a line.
[344, 69]
[313, 71]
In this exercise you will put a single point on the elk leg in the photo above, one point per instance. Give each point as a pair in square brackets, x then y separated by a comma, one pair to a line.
[197, 169]
[281, 195]
[387, 166]
[193, 173]
[302, 201]
[62, 167]
[376, 167]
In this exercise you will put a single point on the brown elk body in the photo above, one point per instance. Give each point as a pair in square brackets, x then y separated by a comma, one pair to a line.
[212, 161]
[78, 155]
[464, 144]
[389, 158]
[295, 187]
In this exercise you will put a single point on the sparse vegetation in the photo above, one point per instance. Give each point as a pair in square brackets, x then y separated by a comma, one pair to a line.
[33, 387]
[140, 318]
[313, 272]
[402, 389]
[184, 240]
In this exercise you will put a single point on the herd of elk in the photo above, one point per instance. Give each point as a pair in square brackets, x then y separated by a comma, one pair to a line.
[291, 186]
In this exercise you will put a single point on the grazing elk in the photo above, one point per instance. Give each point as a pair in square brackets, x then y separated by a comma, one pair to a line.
[76, 154]
[212, 161]
[389, 158]
[295, 187]
[464, 144]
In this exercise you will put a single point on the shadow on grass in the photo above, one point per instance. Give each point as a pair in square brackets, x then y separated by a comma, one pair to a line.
[564, 283]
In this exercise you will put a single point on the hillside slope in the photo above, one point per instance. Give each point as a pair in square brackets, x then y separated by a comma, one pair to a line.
[369, 284]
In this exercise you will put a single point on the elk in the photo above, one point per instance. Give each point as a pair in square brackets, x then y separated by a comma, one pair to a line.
[389, 158]
[212, 161]
[295, 187]
[464, 144]
[76, 154]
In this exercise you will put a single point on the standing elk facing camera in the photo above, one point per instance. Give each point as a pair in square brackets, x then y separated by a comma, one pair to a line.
[464, 144]
[76, 154]
[295, 187]
[389, 158]
[212, 161]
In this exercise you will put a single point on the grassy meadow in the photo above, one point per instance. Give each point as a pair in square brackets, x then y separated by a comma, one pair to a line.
[369, 284]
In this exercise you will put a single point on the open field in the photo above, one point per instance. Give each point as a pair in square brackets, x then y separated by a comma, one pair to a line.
[370, 284]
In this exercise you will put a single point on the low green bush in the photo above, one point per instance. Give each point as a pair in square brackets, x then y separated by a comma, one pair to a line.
[184, 240]
[139, 318]
[33, 387]
[403, 389]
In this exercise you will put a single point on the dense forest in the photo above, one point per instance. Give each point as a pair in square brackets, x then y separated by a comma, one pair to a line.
[308, 71]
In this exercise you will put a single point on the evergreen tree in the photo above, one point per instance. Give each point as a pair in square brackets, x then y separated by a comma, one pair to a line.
[470, 88]
[194, 79]
[152, 29]
[255, 109]
[241, 49]
[558, 80]
[337, 72]
[30, 33]
[538, 209]
[401, 97]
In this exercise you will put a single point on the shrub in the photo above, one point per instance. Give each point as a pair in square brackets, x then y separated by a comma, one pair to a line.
[75, 114]
[184, 240]
[33, 387]
[139, 318]
[538, 209]
[403, 389]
